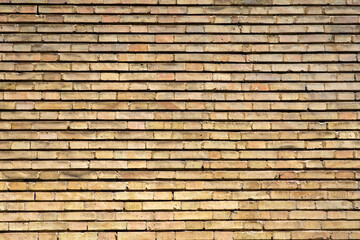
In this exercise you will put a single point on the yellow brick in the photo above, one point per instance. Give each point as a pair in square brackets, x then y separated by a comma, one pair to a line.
[76, 236]
[136, 235]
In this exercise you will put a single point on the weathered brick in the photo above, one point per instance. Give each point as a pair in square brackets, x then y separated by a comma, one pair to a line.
[136, 235]
[65, 236]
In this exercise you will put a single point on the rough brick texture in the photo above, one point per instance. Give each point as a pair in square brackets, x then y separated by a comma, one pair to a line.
[179, 119]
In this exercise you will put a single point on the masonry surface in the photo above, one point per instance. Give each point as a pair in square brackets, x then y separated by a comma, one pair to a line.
[179, 119]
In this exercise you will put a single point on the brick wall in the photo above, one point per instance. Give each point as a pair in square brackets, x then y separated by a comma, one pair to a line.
[179, 119]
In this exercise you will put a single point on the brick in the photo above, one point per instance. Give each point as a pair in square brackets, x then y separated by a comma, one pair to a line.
[194, 235]
[136, 235]
[65, 236]
[310, 234]
[20, 236]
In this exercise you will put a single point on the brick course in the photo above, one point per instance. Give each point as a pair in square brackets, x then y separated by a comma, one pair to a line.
[179, 119]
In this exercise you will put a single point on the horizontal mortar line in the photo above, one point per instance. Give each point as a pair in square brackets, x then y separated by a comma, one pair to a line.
[188, 169]
[174, 190]
[186, 230]
[175, 53]
[173, 130]
[202, 220]
[182, 71]
[240, 25]
[160, 24]
[42, 12]
[174, 90]
[207, 210]
[180, 159]
[157, 23]
[107, 180]
[175, 140]
[185, 130]
[184, 52]
[237, 190]
[183, 190]
[201, 200]
[178, 109]
[39, 33]
[185, 170]
[275, 179]
[155, 62]
[166, 221]
[126, 24]
[183, 150]
[323, 120]
[175, 210]
[73, 23]
[35, 63]
[171, 170]
[187, 33]
[11, 33]
[188, 72]
[191, 170]
[183, 110]
[181, 5]
[97, 33]
[184, 62]
[41, 19]
[205, 14]
[304, 169]
[196, 200]
[173, 120]
[213, 170]
[178, 130]
[184, 43]
[99, 81]
[181, 219]
[41, 81]
[180, 120]
[173, 149]
[185, 159]
[184, 200]
[173, 43]
[120, 42]
[209, 100]
[177, 120]
[198, 160]
[247, 169]
[167, 84]
[172, 220]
